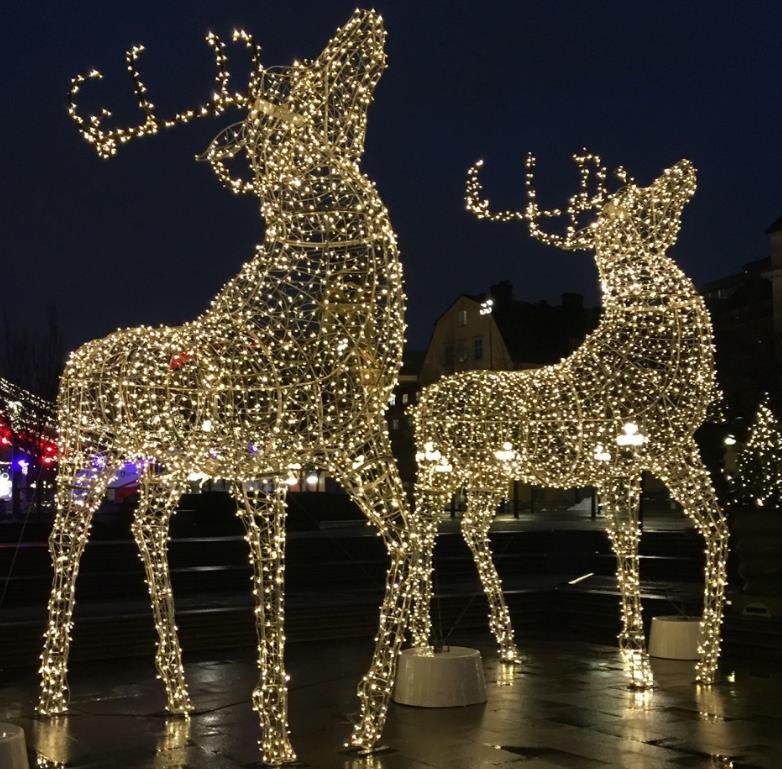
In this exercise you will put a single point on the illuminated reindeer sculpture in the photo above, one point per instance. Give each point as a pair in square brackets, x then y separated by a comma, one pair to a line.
[292, 365]
[627, 401]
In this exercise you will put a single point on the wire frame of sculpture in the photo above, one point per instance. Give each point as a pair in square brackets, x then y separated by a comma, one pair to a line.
[291, 366]
[628, 400]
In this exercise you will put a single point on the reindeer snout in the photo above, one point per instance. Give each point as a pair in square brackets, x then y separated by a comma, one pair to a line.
[685, 174]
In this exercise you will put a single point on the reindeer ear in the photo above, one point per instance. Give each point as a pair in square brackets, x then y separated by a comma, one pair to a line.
[350, 66]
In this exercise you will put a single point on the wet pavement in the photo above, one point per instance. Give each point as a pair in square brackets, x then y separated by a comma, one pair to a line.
[577, 517]
[566, 707]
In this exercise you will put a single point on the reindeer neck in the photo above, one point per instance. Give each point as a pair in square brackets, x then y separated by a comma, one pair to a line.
[329, 245]
[324, 202]
[635, 279]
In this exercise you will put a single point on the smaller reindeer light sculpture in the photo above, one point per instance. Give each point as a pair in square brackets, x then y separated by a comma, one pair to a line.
[292, 364]
[627, 401]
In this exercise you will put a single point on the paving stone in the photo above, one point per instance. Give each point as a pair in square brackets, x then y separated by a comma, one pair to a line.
[566, 707]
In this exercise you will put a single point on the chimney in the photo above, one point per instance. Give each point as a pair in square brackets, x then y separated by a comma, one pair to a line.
[775, 236]
[502, 293]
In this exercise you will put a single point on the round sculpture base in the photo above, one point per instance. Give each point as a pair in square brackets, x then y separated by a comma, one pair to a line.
[675, 638]
[447, 679]
[13, 752]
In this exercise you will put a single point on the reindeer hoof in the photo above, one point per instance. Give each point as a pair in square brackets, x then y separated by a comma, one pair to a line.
[49, 710]
[284, 757]
[361, 742]
[704, 678]
[511, 657]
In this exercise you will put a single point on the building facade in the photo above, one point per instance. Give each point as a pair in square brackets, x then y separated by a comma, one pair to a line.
[496, 332]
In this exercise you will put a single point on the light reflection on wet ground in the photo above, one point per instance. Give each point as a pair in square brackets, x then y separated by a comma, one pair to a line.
[566, 707]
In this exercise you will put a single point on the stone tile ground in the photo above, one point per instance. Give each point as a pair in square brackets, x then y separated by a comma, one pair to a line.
[566, 707]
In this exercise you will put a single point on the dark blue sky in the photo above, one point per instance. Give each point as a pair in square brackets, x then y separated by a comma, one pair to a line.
[149, 236]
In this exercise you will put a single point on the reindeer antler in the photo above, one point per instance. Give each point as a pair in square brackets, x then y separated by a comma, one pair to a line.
[575, 237]
[106, 141]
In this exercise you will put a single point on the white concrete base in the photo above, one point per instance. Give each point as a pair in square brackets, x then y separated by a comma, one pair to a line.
[675, 638]
[448, 679]
[13, 751]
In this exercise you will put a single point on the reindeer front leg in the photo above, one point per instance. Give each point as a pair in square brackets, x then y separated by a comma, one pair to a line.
[263, 516]
[150, 530]
[688, 481]
[481, 507]
[78, 496]
[375, 486]
[620, 497]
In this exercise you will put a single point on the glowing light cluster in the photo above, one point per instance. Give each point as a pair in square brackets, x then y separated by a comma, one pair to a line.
[758, 477]
[627, 401]
[292, 365]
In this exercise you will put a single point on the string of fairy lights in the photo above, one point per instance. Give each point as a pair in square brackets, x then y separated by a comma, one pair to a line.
[291, 366]
[627, 401]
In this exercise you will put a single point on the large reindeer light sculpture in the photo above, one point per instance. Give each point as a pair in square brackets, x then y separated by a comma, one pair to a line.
[628, 400]
[293, 364]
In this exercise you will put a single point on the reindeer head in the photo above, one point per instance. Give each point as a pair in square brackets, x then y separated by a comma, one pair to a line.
[632, 217]
[646, 218]
[295, 115]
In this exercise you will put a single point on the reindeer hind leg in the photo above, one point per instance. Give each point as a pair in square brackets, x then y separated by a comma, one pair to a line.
[621, 497]
[688, 481]
[481, 507]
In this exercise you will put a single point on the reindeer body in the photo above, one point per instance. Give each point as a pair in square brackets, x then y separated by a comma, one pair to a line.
[281, 385]
[647, 370]
[292, 364]
[552, 412]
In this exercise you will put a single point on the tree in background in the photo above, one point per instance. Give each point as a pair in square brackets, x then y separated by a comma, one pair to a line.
[33, 358]
[758, 478]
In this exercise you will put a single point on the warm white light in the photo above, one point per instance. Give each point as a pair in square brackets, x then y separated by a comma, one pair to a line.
[630, 436]
[758, 476]
[292, 365]
[581, 578]
[601, 455]
[651, 355]
[506, 453]
[357, 462]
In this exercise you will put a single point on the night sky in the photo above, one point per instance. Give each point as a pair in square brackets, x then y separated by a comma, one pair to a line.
[150, 236]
